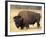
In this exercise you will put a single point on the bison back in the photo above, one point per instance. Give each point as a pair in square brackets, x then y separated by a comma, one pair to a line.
[29, 16]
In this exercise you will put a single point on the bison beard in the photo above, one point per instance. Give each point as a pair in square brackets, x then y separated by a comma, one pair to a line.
[25, 18]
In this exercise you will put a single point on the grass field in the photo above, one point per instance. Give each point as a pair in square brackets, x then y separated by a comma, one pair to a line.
[13, 28]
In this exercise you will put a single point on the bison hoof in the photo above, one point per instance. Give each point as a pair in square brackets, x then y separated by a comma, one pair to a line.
[22, 28]
[38, 26]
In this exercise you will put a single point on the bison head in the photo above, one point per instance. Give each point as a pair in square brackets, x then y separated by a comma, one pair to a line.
[18, 21]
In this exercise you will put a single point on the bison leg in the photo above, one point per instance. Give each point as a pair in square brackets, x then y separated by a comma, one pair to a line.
[22, 26]
[27, 26]
[38, 25]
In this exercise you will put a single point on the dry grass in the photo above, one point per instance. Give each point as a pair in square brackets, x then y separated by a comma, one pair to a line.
[14, 12]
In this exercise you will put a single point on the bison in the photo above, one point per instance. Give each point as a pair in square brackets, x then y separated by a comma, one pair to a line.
[26, 18]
